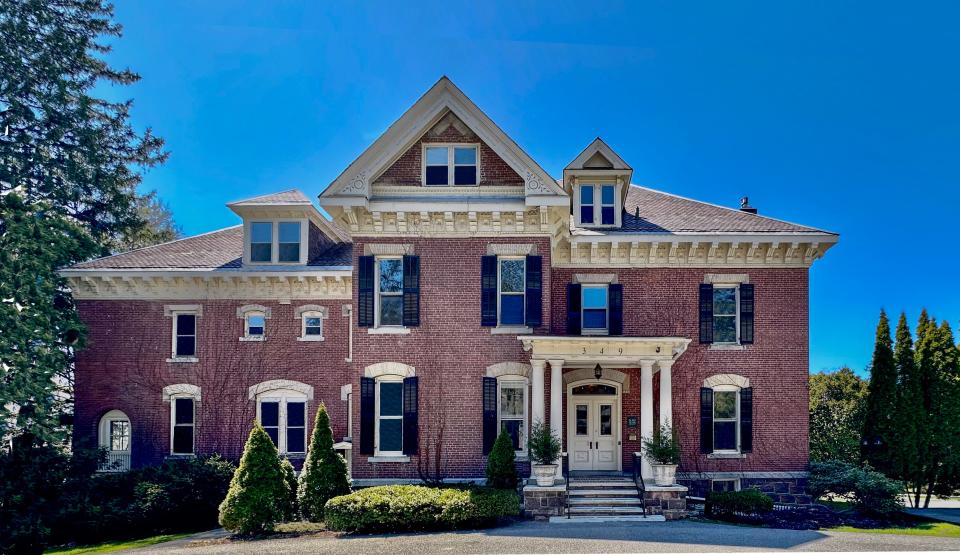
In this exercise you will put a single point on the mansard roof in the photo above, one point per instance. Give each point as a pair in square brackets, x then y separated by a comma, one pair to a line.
[216, 250]
[651, 211]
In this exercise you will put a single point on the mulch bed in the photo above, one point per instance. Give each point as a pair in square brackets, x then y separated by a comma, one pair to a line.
[814, 517]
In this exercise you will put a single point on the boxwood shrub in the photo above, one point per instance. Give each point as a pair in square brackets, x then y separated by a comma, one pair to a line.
[411, 508]
[729, 504]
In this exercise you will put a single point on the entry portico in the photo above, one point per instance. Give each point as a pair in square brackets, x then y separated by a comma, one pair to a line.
[650, 354]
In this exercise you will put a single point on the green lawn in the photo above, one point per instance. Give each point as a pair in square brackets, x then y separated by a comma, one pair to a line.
[110, 547]
[939, 529]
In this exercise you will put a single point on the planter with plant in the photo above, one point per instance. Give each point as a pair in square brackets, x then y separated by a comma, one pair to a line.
[544, 447]
[663, 451]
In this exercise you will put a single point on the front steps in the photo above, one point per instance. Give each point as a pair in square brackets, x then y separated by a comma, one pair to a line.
[604, 499]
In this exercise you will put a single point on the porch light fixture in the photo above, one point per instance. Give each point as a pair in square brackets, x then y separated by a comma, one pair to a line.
[597, 371]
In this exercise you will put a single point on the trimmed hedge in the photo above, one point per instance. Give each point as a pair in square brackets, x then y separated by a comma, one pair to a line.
[413, 508]
[729, 504]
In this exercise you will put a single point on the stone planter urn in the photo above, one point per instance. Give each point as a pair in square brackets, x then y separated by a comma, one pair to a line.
[545, 474]
[664, 474]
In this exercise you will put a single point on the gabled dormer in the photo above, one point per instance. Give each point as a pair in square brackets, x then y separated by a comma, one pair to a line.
[284, 229]
[597, 182]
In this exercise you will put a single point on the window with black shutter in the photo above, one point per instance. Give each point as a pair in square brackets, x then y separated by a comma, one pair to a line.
[367, 415]
[746, 420]
[488, 291]
[616, 309]
[573, 308]
[365, 294]
[411, 290]
[534, 291]
[490, 430]
[706, 420]
[746, 313]
[411, 427]
[706, 313]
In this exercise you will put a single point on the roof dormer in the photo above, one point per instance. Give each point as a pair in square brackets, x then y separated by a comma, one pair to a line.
[597, 181]
[283, 229]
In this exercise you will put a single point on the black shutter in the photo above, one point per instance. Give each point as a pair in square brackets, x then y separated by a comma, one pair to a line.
[534, 294]
[615, 298]
[411, 290]
[706, 313]
[411, 425]
[489, 414]
[368, 387]
[746, 313]
[365, 282]
[488, 290]
[573, 309]
[746, 420]
[706, 420]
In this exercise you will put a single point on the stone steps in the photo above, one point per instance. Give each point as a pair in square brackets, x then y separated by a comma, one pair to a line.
[603, 499]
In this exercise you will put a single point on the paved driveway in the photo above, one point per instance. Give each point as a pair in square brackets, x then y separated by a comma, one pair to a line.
[536, 537]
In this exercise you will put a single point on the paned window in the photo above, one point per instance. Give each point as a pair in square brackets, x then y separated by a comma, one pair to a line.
[726, 419]
[184, 335]
[184, 414]
[595, 308]
[288, 242]
[512, 411]
[389, 433]
[512, 286]
[450, 165]
[285, 421]
[261, 242]
[725, 300]
[389, 292]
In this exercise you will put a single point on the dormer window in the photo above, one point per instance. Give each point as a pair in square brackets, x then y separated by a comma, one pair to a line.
[450, 165]
[273, 242]
[597, 204]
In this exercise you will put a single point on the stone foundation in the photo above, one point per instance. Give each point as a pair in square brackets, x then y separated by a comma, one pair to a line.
[669, 501]
[542, 503]
[781, 490]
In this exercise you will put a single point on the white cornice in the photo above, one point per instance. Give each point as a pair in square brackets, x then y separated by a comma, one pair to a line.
[85, 284]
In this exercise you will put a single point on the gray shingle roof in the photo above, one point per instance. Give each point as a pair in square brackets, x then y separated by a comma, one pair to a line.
[650, 211]
[222, 249]
[292, 196]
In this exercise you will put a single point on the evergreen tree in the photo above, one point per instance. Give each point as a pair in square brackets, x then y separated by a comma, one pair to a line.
[878, 430]
[324, 473]
[911, 418]
[74, 161]
[290, 477]
[942, 478]
[258, 496]
[501, 469]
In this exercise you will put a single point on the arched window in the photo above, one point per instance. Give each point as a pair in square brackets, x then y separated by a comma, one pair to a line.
[282, 411]
[114, 435]
[254, 321]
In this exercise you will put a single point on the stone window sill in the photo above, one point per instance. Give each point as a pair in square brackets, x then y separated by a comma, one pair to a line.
[253, 338]
[511, 330]
[389, 459]
[727, 347]
[390, 330]
[181, 456]
[311, 338]
[726, 456]
[181, 360]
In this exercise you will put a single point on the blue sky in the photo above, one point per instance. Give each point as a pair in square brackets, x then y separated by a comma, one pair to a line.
[839, 115]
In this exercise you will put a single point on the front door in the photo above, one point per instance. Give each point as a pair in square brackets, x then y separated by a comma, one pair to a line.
[593, 430]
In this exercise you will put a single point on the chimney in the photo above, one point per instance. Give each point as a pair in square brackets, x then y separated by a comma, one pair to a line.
[745, 206]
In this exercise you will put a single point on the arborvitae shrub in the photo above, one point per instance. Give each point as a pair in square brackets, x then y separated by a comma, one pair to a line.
[290, 477]
[258, 496]
[324, 473]
[501, 471]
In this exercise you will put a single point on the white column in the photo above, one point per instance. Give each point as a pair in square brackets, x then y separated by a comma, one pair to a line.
[666, 393]
[538, 393]
[646, 411]
[556, 405]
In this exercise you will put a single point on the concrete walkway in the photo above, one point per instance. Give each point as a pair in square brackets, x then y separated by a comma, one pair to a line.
[539, 537]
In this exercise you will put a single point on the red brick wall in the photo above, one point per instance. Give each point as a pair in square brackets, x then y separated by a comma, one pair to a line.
[407, 170]
[450, 350]
[123, 367]
[663, 302]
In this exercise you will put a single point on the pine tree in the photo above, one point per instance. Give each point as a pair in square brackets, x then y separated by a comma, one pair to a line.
[911, 418]
[290, 477]
[501, 469]
[258, 496]
[324, 473]
[75, 161]
[878, 430]
[941, 476]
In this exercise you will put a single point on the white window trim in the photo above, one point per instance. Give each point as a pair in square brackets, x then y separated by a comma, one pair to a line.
[387, 378]
[392, 328]
[594, 331]
[173, 424]
[104, 437]
[597, 185]
[303, 326]
[282, 398]
[735, 420]
[450, 163]
[522, 294]
[275, 240]
[736, 321]
[246, 326]
[515, 380]
[174, 313]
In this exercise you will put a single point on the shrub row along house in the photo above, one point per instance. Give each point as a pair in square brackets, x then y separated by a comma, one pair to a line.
[460, 291]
